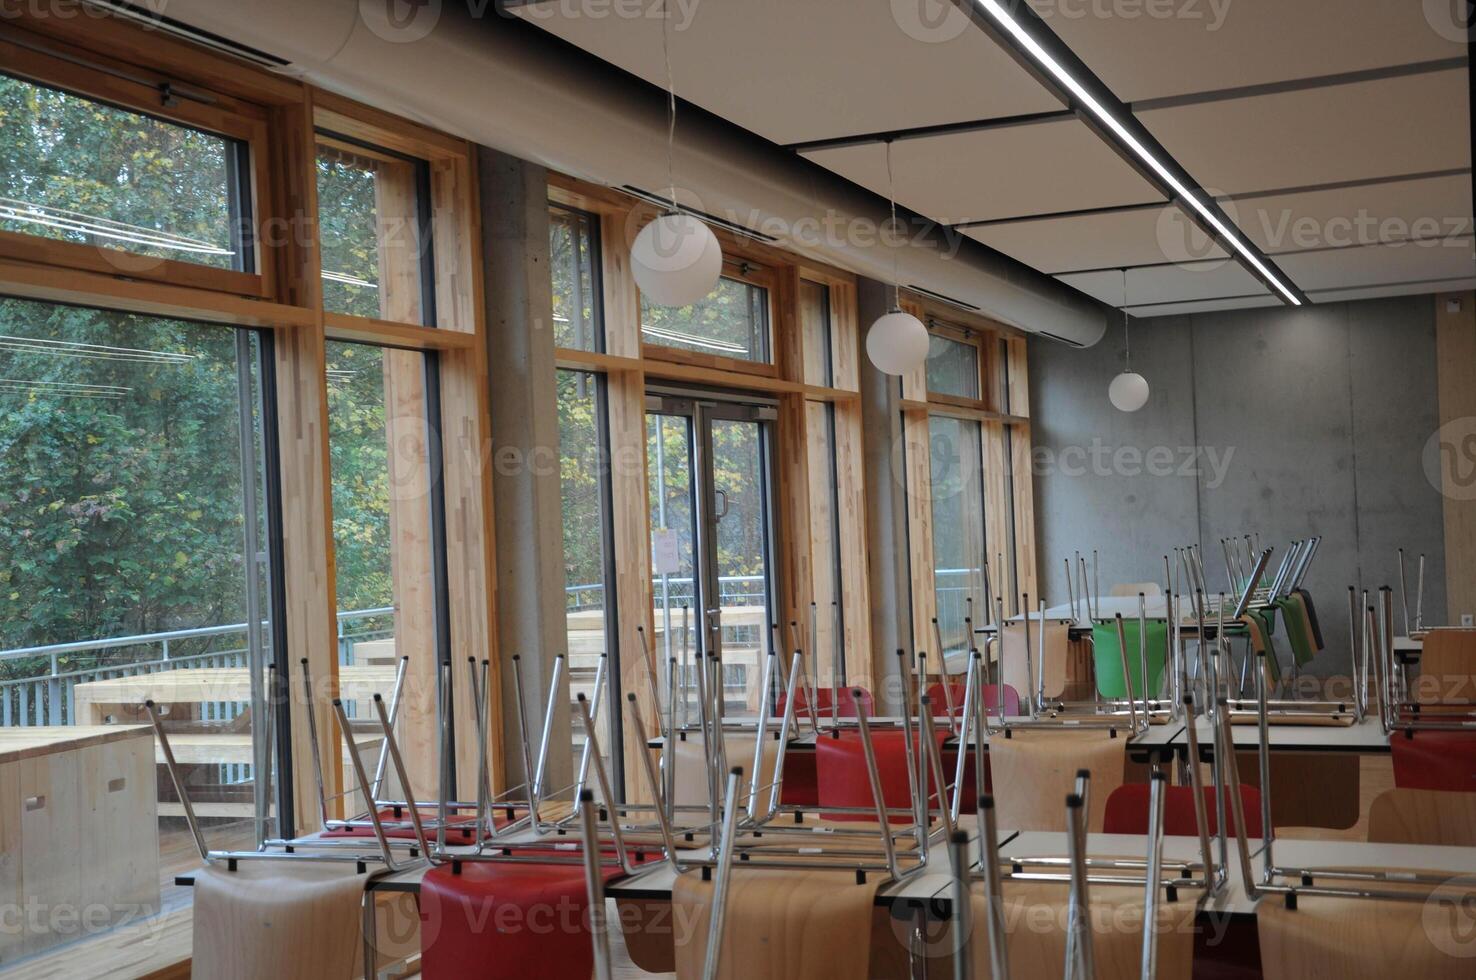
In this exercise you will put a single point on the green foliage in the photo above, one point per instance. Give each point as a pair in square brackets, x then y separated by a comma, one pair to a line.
[120, 503]
[107, 164]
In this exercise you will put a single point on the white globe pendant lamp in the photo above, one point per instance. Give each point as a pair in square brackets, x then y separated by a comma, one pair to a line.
[1128, 392]
[897, 342]
[676, 259]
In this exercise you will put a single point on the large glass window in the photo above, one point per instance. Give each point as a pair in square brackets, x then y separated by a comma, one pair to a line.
[135, 565]
[952, 367]
[959, 551]
[81, 171]
[732, 322]
[382, 443]
[573, 246]
[589, 602]
[373, 233]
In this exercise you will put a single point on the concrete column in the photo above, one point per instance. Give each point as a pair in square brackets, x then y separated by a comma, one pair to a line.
[886, 505]
[525, 457]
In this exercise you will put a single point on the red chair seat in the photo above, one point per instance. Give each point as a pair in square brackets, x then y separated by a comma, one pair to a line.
[1434, 760]
[991, 698]
[842, 779]
[1127, 811]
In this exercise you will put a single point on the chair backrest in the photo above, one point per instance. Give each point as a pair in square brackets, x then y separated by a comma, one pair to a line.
[846, 708]
[842, 779]
[1423, 816]
[691, 760]
[1034, 770]
[991, 695]
[1127, 811]
[1434, 760]
[1127, 590]
[1360, 937]
[1108, 661]
[1057, 649]
[1447, 667]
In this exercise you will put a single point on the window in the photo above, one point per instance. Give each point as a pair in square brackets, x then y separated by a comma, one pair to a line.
[388, 539]
[589, 602]
[574, 264]
[825, 544]
[732, 322]
[134, 528]
[814, 315]
[81, 171]
[959, 555]
[373, 228]
[952, 367]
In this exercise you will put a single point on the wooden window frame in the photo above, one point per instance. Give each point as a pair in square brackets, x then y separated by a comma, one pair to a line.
[94, 76]
[739, 269]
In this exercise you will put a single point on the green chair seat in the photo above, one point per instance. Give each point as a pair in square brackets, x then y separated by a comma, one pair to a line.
[1108, 659]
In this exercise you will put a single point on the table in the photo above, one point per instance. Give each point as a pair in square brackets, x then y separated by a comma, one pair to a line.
[98, 701]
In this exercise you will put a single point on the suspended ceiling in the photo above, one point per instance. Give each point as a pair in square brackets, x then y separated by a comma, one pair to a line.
[1334, 133]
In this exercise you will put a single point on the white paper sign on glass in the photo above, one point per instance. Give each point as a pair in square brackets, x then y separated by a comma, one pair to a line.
[665, 556]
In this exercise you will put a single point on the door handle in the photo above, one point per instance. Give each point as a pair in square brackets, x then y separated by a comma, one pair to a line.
[720, 514]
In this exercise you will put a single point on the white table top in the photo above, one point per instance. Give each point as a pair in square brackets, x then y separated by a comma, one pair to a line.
[1365, 737]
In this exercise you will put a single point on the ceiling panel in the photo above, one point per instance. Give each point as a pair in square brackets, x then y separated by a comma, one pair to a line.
[1206, 306]
[1153, 50]
[1362, 215]
[1376, 265]
[1374, 292]
[1215, 279]
[997, 173]
[811, 70]
[1394, 126]
[1143, 236]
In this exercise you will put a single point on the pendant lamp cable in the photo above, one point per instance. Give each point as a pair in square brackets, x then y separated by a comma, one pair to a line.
[1127, 339]
[670, 103]
[892, 202]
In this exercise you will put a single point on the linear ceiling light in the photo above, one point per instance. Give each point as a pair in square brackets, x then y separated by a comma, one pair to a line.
[1006, 20]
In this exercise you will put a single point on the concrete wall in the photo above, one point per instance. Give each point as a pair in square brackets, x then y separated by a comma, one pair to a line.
[1289, 422]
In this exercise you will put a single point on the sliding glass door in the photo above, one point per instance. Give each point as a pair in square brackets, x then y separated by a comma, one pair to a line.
[709, 466]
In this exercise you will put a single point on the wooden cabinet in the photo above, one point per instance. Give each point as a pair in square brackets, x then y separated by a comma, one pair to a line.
[79, 833]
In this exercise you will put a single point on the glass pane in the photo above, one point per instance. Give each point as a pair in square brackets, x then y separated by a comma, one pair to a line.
[953, 367]
[127, 451]
[742, 559]
[955, 446]
[587, 603]
[381, 487]
[825, 539]
[572, 263]
[733, 321]
[814, 309]
[673, 540]
[369, 231]
[80, 171]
